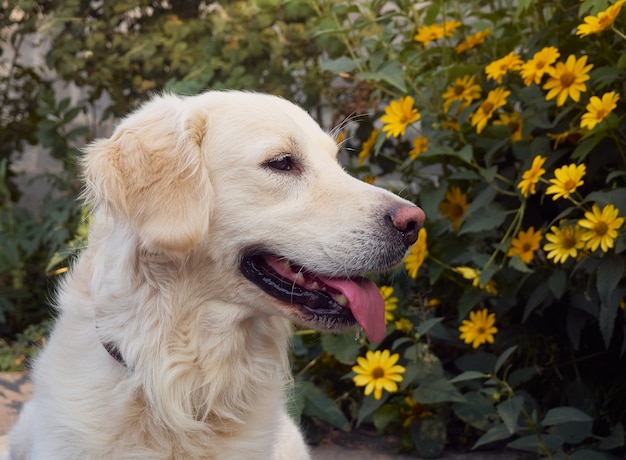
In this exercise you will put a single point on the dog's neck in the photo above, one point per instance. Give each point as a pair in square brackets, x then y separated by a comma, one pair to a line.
[193, 357]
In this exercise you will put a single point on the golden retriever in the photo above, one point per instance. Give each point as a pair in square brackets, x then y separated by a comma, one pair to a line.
[218, 219]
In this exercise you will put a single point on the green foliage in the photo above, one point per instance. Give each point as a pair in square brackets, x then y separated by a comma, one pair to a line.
[110, 56]
[509, 342]
[126, 50]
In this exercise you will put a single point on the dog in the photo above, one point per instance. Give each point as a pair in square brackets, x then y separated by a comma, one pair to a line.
[218, 221]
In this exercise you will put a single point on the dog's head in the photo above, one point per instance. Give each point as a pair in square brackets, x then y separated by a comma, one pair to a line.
[250, 184]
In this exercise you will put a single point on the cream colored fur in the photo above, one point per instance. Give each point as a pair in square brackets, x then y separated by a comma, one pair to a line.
[179, 191]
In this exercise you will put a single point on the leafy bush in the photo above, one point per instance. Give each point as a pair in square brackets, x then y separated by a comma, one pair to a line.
[505, 122]
[506, 324]
[111, 56]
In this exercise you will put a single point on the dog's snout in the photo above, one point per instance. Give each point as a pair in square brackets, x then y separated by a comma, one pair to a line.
[407, 220]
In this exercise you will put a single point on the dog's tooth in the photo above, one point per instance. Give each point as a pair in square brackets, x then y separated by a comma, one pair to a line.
[315, 285]
[341, 300]
[299, 278]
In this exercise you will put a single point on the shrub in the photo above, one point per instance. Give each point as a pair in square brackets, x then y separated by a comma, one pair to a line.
[68, 66]
[505, 122]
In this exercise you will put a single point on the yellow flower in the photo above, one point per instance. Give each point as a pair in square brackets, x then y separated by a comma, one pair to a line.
[540, 64]
[398, 115]
[340, 138]
[454, 206]
[463, 89]
[498, 68]
[404, 325]
[366, 148]
[531, 176]
[567, 179]
[472, 41]
[604, 19]
[525, 244]
[564, 242]
[479, 328]
[601, 227]
[514, 123]
[369, 179]
[433, 303]
[495, 99]
[598, 109]
[452, 125]
[378, 371]
[391, 303]
[420, 145]
[416, 410]
[427, 34]
[415, 258]
[473, 275]
[569, 136]
[568, 79]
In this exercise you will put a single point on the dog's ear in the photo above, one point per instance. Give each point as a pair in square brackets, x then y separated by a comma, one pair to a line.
[152, 172]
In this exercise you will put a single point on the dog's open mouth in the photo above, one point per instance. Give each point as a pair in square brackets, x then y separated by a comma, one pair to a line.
[324, 300]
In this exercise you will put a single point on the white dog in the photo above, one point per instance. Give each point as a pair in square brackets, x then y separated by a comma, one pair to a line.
[217, 219]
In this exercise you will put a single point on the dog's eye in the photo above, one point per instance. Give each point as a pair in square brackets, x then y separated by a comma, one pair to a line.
[284, 163]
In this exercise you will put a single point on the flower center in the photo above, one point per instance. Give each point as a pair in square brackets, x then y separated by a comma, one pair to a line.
[459, 90]
[487, 107]
[378, 373]
[568, 242]
[456, 211]
[526, 247]
[569, 184]
[601, 228]
[601, 115]
[481, 330]
[567, 79]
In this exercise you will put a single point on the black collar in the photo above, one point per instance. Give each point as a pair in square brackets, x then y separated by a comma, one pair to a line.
[115, 353]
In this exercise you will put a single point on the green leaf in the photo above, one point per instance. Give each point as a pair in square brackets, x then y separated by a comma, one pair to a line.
[429, 436]
[584, 148]
[509, 411]
[610, 271]
[468, 375]
[318, 404]
[557, 283]
[384, 416]
[503, 357]
[483, 220]
[477, 410]
[428, 324]
[342, 64]
[370, 404]
[573, 432]
[342, 346]
[436, 389]
[392, 73]
[538, 296]
[564, 415]
[495, 433]
[468, 300]
[517, 263]
[489, 174]
[536, 444]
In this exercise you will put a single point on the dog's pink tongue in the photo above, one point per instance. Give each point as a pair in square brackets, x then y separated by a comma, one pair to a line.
[365, 302]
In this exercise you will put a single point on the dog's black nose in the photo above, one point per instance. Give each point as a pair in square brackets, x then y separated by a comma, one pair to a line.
[408, 220]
